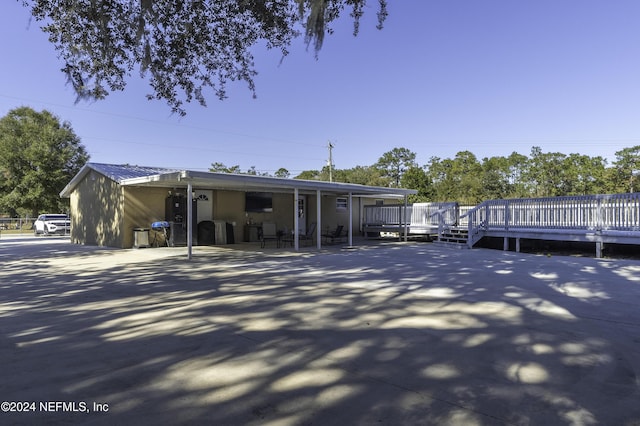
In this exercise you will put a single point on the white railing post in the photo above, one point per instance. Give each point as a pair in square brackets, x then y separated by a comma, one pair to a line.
[599, 214]
[507, 215]
[470, 220]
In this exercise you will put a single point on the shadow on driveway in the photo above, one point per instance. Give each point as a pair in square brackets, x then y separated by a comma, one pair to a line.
[390, 334]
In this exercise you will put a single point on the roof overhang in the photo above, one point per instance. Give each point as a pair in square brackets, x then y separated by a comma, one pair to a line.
[239, 182]
[66, 192]
[229, 181]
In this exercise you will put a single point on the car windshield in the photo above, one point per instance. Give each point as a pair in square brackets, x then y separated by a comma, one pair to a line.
[55, 217]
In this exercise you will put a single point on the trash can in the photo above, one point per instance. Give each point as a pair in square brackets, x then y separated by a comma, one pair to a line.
[230, 237]
[220, 231]
[206, 233]
[140, 237]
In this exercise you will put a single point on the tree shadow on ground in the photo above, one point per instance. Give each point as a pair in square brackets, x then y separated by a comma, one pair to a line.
[392, 334]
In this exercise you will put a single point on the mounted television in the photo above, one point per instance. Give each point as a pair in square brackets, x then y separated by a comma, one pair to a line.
[260, 202]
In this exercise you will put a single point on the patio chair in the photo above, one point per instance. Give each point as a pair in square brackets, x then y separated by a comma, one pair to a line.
[308, 236]
[268, 232]
[333, 236]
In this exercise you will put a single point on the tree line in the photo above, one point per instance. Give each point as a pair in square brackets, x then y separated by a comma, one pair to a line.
[39, 155]
[469, 180]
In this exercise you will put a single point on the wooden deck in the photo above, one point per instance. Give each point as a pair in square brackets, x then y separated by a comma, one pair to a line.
[598, 219]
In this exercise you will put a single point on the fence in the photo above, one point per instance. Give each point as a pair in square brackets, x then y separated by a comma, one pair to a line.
[16, 224]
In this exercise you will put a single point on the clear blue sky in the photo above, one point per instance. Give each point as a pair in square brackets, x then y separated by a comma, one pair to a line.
[488, 76]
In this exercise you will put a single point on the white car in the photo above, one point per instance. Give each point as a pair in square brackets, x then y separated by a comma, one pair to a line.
[48, 224]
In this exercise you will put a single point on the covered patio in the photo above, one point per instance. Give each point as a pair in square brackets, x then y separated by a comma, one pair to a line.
[135, 190]
[236, 182]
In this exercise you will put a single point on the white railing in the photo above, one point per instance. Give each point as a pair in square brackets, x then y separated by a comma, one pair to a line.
[417, 215]
[462, 212]
[620, 212]
[382, 215]
[590, 213]
[433, 214]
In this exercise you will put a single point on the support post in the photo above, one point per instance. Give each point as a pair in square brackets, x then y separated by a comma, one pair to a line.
[350, 219]
[400, 222]
[599, 247]
[296, 220]
[189, 198]
[506, 215]
[517, 245]
[406, 225]
[319, 219]
[505, 244]
[472, 218]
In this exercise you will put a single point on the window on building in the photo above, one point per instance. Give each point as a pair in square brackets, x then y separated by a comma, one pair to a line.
[341, 204]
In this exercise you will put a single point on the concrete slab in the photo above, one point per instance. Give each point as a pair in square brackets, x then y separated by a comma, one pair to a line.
[396, 333]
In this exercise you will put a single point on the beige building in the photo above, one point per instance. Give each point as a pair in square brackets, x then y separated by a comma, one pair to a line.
[110, 203]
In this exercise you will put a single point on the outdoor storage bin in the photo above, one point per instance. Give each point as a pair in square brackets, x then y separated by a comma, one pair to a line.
[230, 233]
[220, 231]
[206, 233]
[140, 237]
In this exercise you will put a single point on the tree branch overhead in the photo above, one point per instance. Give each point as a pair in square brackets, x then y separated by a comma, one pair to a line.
[184, 48]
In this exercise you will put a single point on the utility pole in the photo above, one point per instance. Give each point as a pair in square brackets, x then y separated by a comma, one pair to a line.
[330, 147]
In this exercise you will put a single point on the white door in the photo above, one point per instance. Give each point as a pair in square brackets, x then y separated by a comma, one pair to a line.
[204, 204]
[302, 214]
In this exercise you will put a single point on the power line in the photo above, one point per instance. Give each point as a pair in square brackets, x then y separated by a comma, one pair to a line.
[191, 148]
[189, 126]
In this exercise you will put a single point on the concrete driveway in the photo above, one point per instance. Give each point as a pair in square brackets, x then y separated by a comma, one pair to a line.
[390, 334]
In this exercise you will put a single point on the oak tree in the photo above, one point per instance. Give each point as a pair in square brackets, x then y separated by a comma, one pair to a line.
[184, 48]
[39, 155]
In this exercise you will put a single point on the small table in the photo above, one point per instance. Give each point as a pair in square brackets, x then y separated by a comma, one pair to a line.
[251, 232]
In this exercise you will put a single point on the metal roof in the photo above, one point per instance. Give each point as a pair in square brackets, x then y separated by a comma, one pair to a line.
[128, 175]
[121, 172]
[115, 172]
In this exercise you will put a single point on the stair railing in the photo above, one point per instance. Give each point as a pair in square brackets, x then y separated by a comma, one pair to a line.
[476, 222]
[447, 217]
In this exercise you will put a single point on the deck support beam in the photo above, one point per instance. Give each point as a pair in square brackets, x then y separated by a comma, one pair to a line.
[517, 245]
[599, 247]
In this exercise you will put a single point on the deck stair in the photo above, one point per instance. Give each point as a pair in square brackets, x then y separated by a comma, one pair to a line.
[453, 236]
